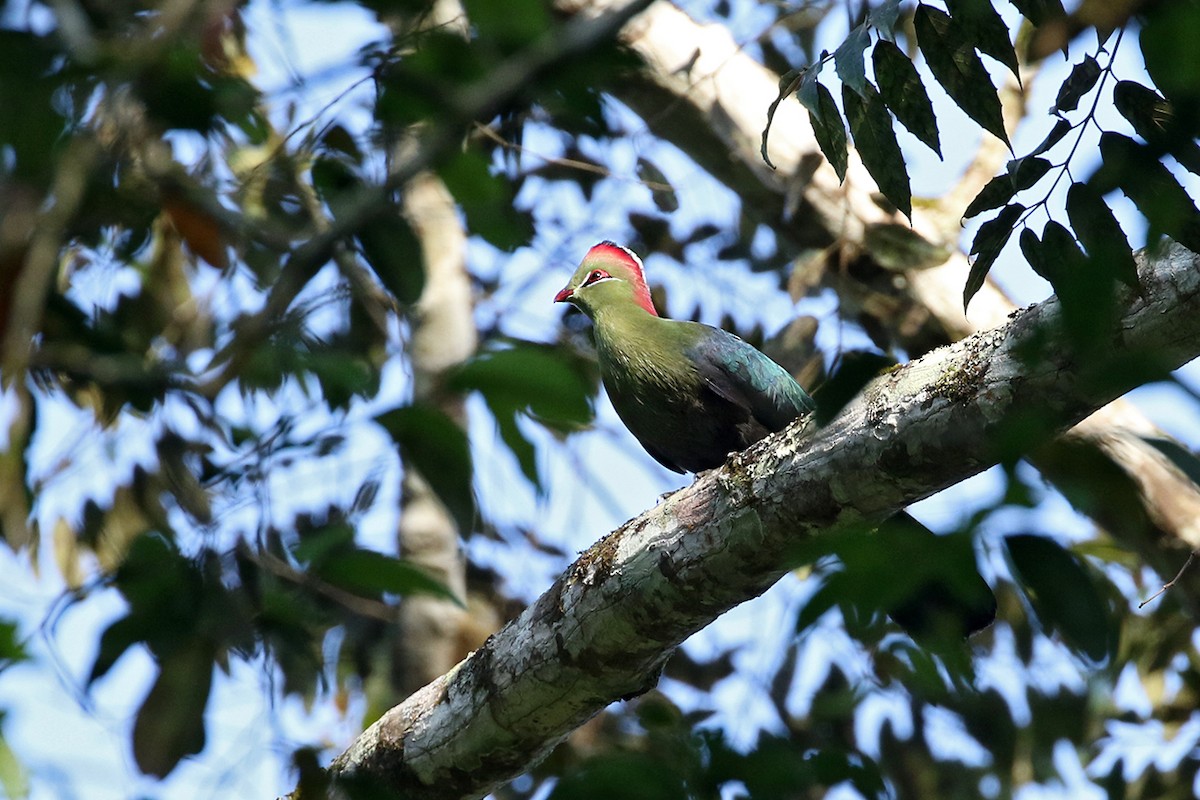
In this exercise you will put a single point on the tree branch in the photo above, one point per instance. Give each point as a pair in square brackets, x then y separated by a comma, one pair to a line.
[701, 91]
[607, 625]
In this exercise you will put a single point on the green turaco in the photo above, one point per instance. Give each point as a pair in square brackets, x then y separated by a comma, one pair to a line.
[691, 394]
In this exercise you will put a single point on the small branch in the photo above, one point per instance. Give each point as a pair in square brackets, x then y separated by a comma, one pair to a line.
[1191, 557]
[362, 606]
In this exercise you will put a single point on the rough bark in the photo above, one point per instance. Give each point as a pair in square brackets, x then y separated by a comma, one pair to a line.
[605, 627]
[700, 90]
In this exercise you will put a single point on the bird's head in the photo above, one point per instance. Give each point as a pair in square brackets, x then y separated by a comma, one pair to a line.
[609, 276]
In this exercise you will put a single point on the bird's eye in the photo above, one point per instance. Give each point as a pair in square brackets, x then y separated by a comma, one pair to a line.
[596, 275]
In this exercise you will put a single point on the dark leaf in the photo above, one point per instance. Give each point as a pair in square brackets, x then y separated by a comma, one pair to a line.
[901, 88]
[849, 62]
[983, 26]
[1061, 128]
[854, 370]
[1135, 169]
[1100, 234]
[661, 190]
[1168, 43]
[1155, 120]
[394, 253]
[511, 24]
[989, 241]
[628, 775]
[952, 60]
[1062, 594]
[829, 130]
[372, 573]
[1021, 174]
[1038, 11]
[788, 83]
[1082, 79]
[11, 650]
[871, 127]
[170, 722]
[437, 448]
[1184, 460]
[945, 598]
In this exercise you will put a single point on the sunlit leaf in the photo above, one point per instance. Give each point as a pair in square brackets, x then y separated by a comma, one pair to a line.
[848, 59]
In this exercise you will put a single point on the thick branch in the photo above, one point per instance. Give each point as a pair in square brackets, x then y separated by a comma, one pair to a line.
[605, 627]
[700, 90]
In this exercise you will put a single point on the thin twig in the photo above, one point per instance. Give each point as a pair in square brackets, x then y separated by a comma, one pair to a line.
[1191, 557]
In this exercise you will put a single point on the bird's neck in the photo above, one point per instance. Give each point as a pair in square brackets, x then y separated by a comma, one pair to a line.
[638, 340]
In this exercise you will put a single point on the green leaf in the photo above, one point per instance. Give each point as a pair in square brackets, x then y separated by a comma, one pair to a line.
[13, 780]
[952, 60]
[1063, 595]
[827, 126]
[848, 59]
[871, 127]
[1082, 79]
[1169, 50]
[1020, 174]
[628, 775]
[541, 380]
[1154, 190]
[511, 24]
[486, 200]
[1100, 234]
[902, 90]
[983, 26]
[371, 573]
[437, 448]
[170, 721]
[392, 249]
[1155, 120]
[989, 241]
[883, 19]
[11, 650]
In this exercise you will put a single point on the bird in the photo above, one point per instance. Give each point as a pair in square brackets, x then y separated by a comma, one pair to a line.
[690, 393]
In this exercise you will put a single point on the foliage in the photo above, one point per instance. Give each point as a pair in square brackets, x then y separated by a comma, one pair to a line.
[197, 266]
